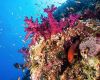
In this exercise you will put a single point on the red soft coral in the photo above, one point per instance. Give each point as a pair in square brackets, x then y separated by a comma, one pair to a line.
[49, 25]
[53, 23]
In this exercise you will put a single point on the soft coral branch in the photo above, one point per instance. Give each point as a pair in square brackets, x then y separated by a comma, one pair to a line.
[45, 28]
[32, 28]
[52, 21]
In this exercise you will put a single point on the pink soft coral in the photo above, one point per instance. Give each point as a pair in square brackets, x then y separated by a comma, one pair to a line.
[32, 29]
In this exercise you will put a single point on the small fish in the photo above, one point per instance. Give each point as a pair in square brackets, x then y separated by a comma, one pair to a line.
[36, 4]
[77, 2]
[23, 70]
[67, 8]
[17, 65]
[19, 78]
[24, 50]
[71, 8]
[92, 4]
[21, 66]
[59, 3]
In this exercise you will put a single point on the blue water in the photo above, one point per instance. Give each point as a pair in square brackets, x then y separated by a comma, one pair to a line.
[12, 13]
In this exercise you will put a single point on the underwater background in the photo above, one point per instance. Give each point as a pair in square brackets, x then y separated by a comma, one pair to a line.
[12, 14]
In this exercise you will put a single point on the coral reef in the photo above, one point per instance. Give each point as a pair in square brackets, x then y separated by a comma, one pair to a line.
[67, 49]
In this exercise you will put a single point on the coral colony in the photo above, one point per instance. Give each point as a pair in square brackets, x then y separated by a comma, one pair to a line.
[68, 49]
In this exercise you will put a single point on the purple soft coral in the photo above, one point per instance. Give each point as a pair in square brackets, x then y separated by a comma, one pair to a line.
[72, 19]
[63, 22]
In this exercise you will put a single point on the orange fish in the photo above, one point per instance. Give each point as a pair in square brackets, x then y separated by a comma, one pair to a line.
[71, 52]
[70, 55]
